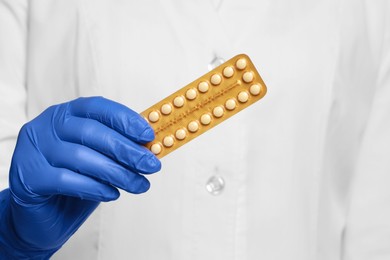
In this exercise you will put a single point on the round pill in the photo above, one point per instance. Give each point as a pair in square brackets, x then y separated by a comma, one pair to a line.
[228, 72]
[230, 104]
[216, 79]
[178, 101]
[203, 86]
[181, 134]
[205, 119]
[218, 111]
[166, 109]
[156, 148]
[193, 126]
[168, 141]
[248, 77]
[243, 96]
[255, 89]
[191, 94]
[241, 64]
[154, 116]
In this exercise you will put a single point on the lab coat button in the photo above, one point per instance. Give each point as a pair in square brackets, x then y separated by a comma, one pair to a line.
[215, 62]
[215, 185]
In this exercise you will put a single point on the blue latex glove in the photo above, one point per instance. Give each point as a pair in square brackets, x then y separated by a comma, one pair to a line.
[66, 161]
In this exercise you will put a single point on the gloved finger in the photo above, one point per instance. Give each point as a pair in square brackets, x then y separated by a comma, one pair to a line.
[61, 181]
[105, 140]
[114, 115]
[86, 161]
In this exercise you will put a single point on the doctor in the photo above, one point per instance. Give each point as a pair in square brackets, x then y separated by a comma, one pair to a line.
[303, 174]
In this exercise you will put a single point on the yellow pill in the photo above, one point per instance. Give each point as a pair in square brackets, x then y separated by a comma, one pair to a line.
[228, 72]
[230, 104]
[168, 141]
[154, 116]
[218, 111]
[255, 89]
[193, 126]
[243, 96]
[248, 77]
[205, 119]
[241, 64]
[216, 79]
[166, 109]
[181, 134]
[178, 101]
[191, 94]
[203, 86]
[156, 148]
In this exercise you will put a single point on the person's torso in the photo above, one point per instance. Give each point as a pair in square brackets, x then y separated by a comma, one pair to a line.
[276, 158]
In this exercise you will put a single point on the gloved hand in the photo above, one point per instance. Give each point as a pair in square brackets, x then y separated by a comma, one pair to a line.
[66, 161]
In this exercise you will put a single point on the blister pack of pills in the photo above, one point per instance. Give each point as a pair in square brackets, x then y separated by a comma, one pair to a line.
[203, 104]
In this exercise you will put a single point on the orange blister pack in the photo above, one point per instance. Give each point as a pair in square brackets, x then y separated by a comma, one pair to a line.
[203, 104]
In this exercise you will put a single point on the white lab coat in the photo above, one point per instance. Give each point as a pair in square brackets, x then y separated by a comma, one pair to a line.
[306, 170]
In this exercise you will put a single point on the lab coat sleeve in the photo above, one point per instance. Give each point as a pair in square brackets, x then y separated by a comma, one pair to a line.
[367, 233]
[13, 36]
